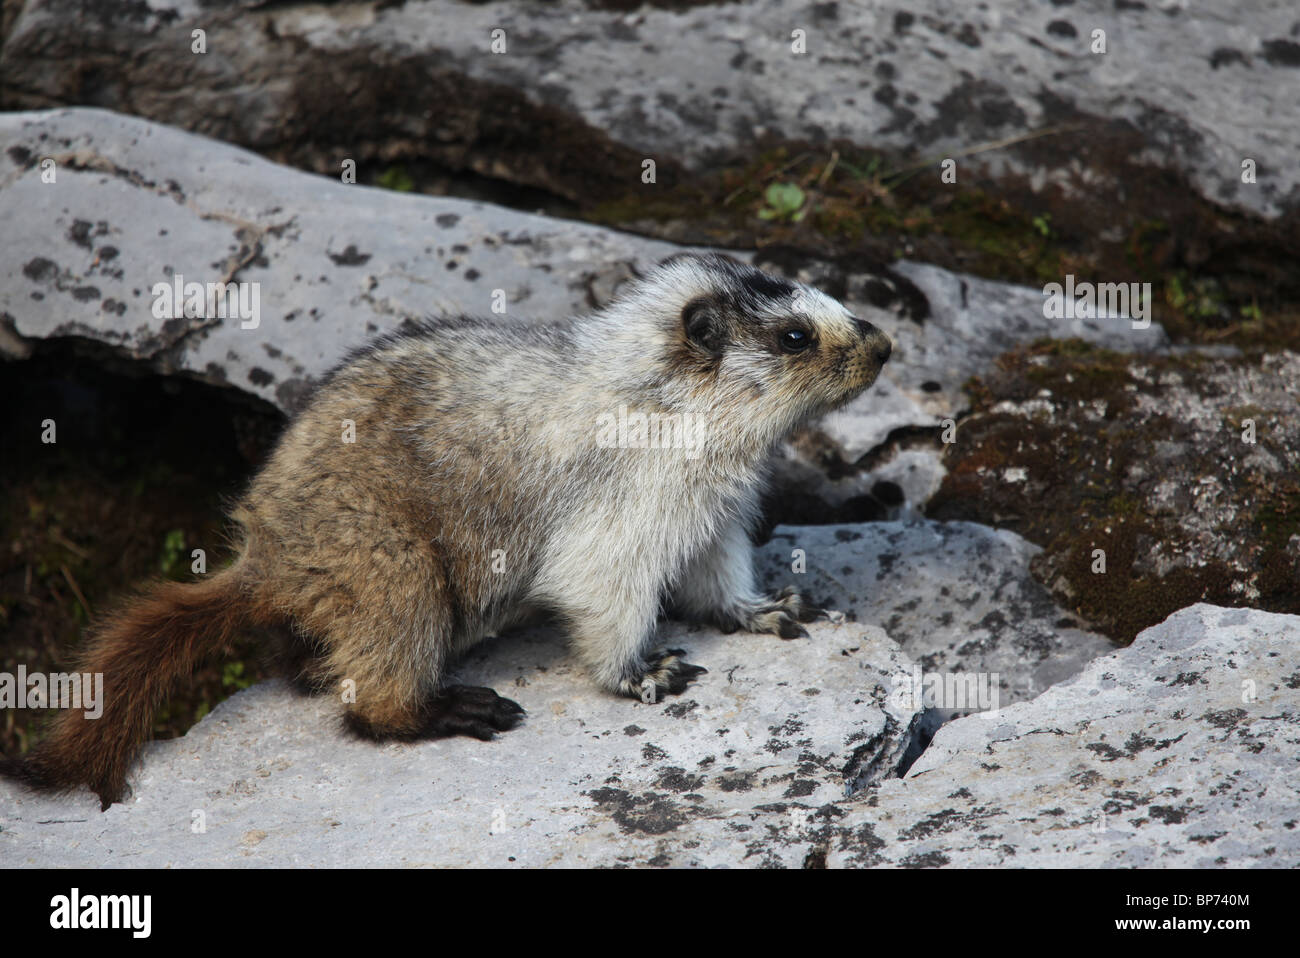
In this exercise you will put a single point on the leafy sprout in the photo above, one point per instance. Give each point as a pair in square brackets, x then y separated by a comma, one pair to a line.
[785, 201]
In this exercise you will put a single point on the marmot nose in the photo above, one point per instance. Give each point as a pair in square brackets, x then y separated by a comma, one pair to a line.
[881, 345]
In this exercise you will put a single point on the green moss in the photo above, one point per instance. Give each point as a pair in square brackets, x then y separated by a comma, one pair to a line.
[171, 562]
[1278, 521]
[1195, 297]
[1121, 602]
[1124, 506]
[1082, 491]
[396, 178]
[1278, 516]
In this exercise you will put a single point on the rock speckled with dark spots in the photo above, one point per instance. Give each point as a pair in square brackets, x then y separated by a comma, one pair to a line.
[1123, 765]
[300, 81]
[958, 597]
[249, 220]
[583, 759]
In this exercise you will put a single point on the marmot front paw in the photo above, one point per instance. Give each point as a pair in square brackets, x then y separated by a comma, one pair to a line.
[666, 674]
[779, 615]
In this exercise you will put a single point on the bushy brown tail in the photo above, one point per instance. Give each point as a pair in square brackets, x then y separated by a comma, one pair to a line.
[143, 651]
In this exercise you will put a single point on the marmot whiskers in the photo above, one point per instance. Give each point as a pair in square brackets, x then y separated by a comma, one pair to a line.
[599, 469]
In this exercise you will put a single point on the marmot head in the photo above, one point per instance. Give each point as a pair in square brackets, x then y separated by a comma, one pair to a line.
[766, 347]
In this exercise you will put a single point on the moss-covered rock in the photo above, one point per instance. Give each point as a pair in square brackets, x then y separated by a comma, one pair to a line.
[1151, 483]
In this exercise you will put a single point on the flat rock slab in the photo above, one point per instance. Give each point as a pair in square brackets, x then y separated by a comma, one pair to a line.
[957, 596]
[1181, 750]
[273, 781]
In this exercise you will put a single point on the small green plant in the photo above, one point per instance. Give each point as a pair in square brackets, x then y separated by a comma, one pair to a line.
[872, 171]
[396, 178]
[1044, 225]
[233, 677]
[173, 553]
[785, 201]
[1199, 298]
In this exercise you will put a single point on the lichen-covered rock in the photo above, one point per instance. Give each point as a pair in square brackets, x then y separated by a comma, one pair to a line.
[1152, 483]
[570, 96]
[957, 596]
[772, 721]
[1180, 750]
[134, 204]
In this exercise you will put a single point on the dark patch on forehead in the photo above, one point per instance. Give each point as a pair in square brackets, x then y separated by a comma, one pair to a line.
[742, 284]
[747, 292]
[765, 286]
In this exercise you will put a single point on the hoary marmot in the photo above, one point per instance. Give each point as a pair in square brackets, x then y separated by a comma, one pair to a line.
[449, 480]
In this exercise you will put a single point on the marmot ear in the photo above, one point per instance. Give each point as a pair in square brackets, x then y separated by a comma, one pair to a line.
[704, 325]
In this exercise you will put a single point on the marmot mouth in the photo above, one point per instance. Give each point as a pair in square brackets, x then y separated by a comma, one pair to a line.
[830, 404]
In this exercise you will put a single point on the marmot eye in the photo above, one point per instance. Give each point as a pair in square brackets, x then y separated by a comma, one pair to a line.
[795, 340]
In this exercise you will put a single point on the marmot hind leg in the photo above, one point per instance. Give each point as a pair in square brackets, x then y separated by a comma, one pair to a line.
[469, 710]
[454, 710]
[383, 648]
[391, 691]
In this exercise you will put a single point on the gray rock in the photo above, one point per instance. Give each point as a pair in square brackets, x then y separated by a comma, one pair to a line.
[1177, 751]
[957, 596]
[803, 492]
[135, 204]
[274, 782]
[1179, 87]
